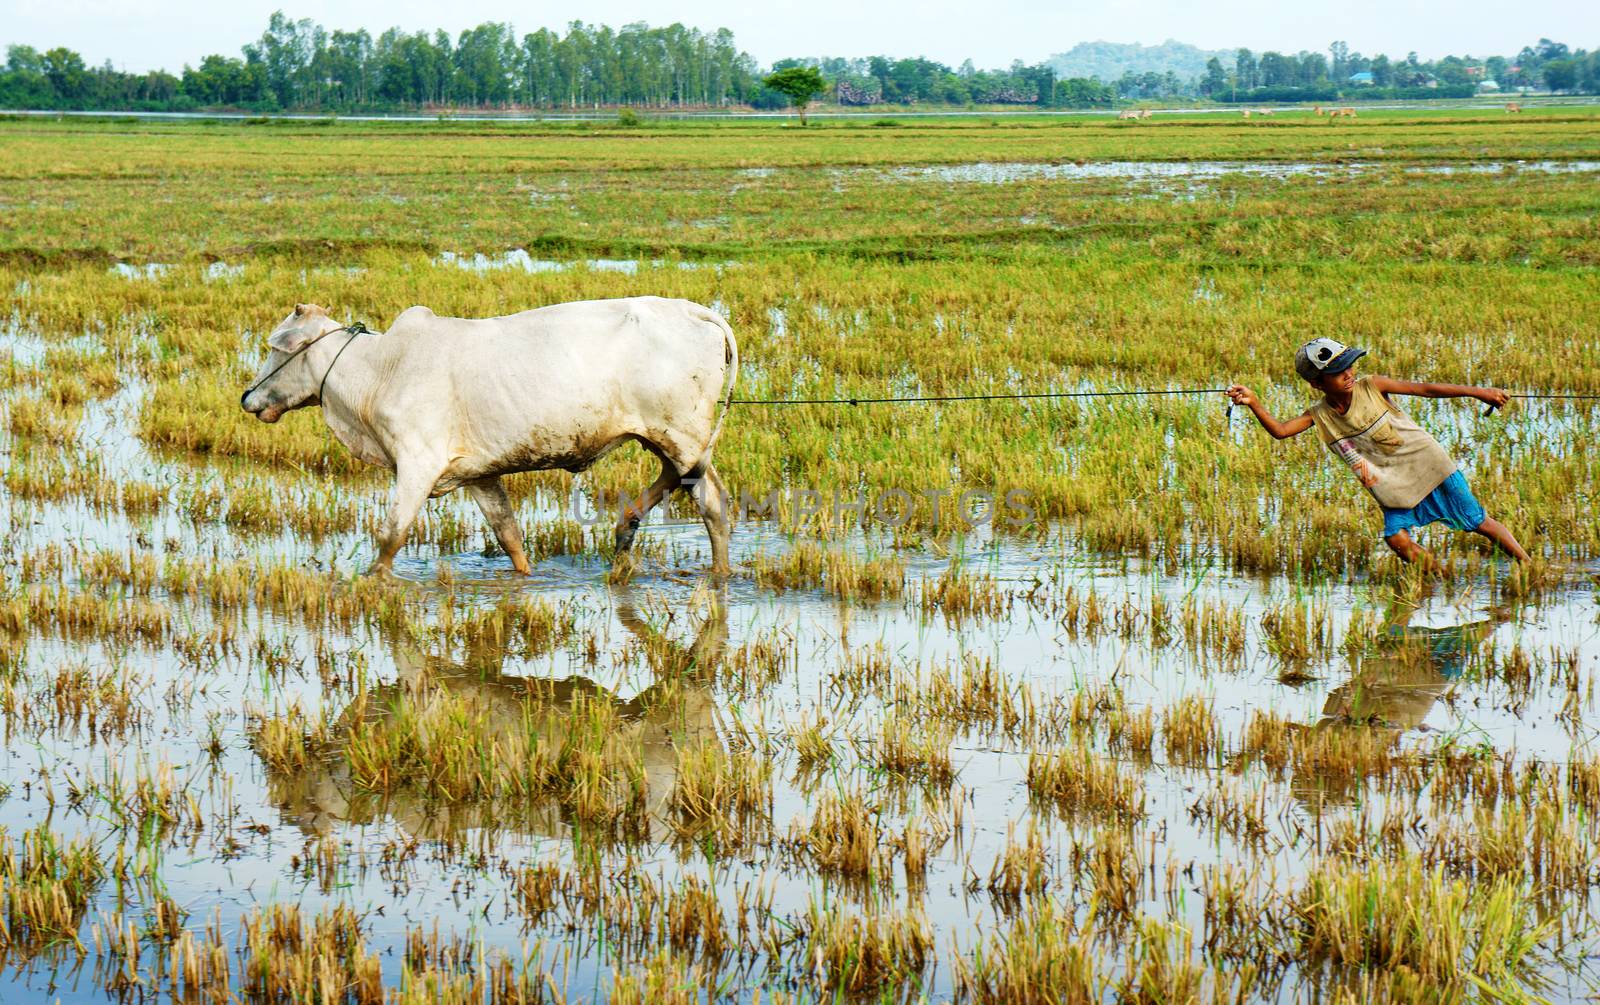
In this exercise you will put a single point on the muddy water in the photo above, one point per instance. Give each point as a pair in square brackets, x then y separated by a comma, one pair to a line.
[259, 826]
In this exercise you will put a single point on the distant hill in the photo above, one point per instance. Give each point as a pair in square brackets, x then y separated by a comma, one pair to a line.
[1110, 60]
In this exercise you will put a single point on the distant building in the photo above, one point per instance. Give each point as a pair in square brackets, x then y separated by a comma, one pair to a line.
[1487, 86]
[1361, 78]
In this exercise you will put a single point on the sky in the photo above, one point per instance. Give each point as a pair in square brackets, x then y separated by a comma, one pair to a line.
[139, 35]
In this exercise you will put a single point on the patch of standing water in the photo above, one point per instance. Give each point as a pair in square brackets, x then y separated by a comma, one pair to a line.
[150, 270]
[108, 434]
[1205, 291]
[1004, 172]
[21, 348]
[350, 271]
[1502, 167]
[518, 258]
[222, 270]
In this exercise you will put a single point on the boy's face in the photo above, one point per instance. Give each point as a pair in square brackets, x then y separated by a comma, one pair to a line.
[1342, 382]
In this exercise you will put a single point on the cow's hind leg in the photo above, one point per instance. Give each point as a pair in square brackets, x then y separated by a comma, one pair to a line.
[413, 483]
[490, 496]
[637, 510]
[711, 498]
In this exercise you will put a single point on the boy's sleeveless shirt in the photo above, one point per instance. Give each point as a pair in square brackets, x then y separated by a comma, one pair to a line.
[1395, 459]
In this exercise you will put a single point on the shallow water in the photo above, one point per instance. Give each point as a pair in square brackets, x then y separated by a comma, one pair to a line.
[149, 270]
[1002, 173]
[518, 258]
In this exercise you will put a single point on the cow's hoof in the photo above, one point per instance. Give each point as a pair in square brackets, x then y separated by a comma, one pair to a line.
[623, 568]
[382, 572]
[624, 538]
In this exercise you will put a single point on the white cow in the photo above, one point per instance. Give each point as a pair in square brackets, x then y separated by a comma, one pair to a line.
[447, 403]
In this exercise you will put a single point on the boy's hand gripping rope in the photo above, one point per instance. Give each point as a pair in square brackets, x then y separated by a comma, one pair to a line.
[1564, 397]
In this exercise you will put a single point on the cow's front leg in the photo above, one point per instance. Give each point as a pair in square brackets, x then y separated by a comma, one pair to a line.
[413, 483]
[490, 496]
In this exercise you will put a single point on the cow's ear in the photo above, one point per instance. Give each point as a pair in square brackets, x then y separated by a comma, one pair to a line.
[289, 338]
[299, 309]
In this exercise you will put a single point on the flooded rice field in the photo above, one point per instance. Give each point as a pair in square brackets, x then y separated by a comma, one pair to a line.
[1076, 700]
[225, 757]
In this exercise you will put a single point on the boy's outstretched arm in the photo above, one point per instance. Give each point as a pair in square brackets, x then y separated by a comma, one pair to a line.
[1488, 395]
[1241, 395]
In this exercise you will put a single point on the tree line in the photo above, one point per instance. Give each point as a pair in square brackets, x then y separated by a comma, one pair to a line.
[297, 65]
[881, 80]
[1311, 76]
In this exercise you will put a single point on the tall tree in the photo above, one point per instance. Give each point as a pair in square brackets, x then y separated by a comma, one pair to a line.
[1339, 58]
[800, 84]
[286, 49]
[1382, 72]
[1244, 68]
[67, 74]
[1559, 74]
[1278, 70]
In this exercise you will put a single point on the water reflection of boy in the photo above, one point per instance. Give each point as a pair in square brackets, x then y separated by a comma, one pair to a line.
[1397, 687]
[1394, 688]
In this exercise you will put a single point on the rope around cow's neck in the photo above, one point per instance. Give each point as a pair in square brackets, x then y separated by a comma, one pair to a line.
[355, 331]
[355, 328]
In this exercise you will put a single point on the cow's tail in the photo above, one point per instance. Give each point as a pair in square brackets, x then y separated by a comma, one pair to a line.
[731, 358]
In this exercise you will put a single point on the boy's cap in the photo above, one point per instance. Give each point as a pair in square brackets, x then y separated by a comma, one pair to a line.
[1323, 357]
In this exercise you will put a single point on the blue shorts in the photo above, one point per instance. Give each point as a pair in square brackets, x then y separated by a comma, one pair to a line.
[1451, 503]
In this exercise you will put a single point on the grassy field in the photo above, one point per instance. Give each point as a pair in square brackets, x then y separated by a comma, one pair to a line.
[1191, 734]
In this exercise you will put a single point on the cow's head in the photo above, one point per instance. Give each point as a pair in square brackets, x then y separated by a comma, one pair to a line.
[287, 380]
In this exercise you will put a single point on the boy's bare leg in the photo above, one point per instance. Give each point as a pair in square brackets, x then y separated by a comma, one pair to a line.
[1408, 550]
[1497, 532]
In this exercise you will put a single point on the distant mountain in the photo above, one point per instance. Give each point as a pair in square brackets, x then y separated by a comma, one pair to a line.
[1110, 60]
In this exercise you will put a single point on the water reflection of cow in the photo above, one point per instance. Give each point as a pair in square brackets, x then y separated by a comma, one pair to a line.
[678, 709]
[1394, 687]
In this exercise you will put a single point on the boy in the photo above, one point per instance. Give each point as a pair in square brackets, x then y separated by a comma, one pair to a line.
[1405, 469]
